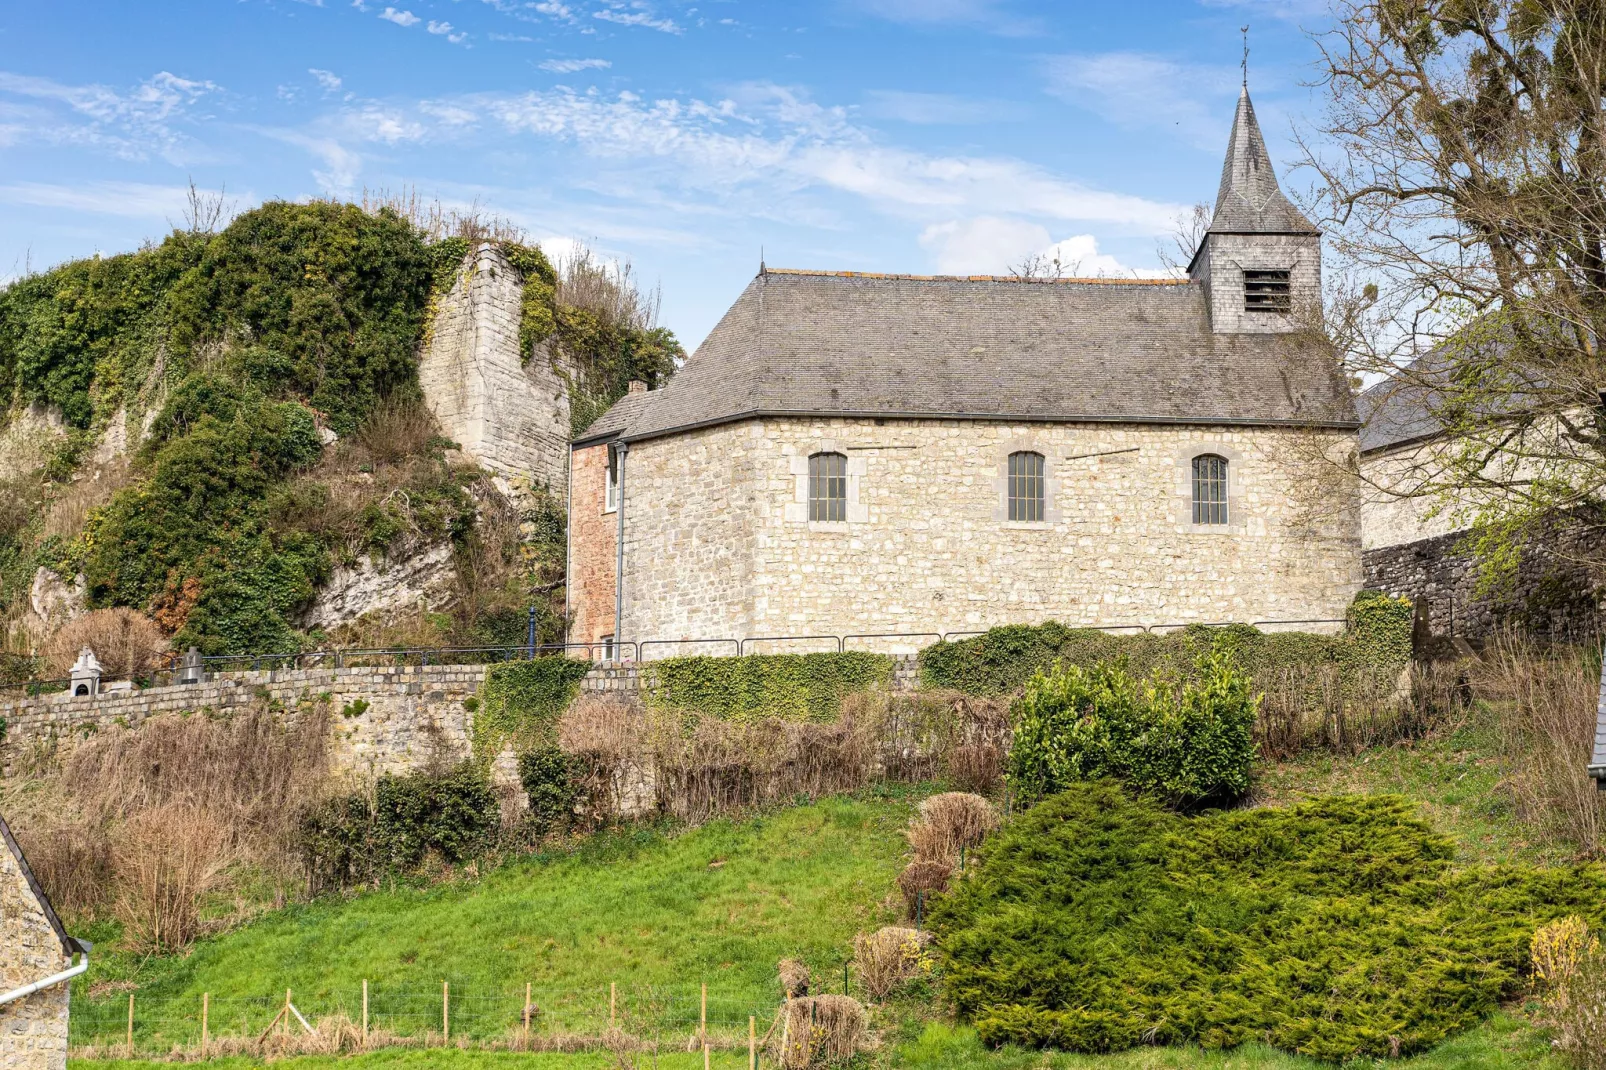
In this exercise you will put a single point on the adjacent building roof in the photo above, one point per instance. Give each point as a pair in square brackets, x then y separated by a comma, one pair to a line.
[1597, 761]
[984, 347]
[1396, 412]
[1249, 200]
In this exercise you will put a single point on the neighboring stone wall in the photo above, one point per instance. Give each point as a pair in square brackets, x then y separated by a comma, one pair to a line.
[1551, 595]
[593, 546]
[509, 414]
[411, 714]
[718, 541]
[1226, 258]
[33, 1030]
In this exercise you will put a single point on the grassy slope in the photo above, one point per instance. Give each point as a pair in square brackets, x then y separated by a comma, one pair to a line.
[795, 882]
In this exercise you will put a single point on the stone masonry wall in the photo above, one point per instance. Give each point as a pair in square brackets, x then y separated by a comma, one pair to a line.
[1229, 255]
[593, 547]
[718, 540]
[33, 1030]
[509, 414]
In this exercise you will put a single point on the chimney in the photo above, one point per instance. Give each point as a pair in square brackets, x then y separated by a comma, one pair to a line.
[638, 386]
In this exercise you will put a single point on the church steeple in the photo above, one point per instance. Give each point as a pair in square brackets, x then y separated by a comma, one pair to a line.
[1261, 259]
[1249, 200]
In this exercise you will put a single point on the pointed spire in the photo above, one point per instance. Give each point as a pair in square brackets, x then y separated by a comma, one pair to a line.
[1249, 201]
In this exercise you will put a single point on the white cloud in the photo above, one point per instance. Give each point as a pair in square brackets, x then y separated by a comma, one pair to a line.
[994, 245]
[440, 29]
[638, 14]
[329, 80]
[400, 18]
[135, 200]
[1134, 89]
[130, 123]
[989, 14]
[569, 66]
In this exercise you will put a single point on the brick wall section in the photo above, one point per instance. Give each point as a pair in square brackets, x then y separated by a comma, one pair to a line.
[593, 547]
[509, 414]
[33, 1030]
[718, 540]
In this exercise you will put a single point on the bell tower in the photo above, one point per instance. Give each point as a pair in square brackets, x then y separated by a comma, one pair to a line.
[1261, 260]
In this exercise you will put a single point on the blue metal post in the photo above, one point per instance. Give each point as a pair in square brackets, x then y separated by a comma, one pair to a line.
[531, 633]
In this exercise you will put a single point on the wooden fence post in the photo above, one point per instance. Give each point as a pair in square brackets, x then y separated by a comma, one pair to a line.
[128, 1045]
[526, 1014]
[702, 1020]
[365, 1012]
[705, 1054]
[613, 1002]
[752, 1042]
[206, 1006]
[446, 1018]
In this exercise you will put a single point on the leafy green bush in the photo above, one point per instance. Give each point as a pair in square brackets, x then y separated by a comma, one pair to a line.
[549, 783]
[351, 839]
[521, 701]
[1095, 922]
[1187, 743]
[798, 687]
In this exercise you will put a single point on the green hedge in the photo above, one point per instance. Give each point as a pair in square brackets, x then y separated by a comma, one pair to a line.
[1378, 637]
[1187, 744]
[1336, 928]
[351, 839]
[799, 687]
[520, 703]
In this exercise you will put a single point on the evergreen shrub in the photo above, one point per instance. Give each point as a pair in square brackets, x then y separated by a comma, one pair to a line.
[1096, 922]
[1185, 742]
[549, 780]
[794, 687]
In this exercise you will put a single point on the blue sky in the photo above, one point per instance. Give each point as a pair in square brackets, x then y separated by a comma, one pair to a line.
[872, 135]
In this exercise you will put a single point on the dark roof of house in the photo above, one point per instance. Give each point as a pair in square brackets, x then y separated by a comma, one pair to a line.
[1249, 200]
[68, 944]
[1395, 412]
[611, 423]
[984, 347]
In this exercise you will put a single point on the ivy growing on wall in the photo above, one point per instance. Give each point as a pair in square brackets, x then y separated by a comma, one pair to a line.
[798, 687]
[520, 703]
[1378, 637]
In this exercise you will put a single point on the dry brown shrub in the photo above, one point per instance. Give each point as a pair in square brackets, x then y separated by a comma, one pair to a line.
[126, 643]
[977, 767]
[68, 505]
[166, 860]
[919, 881]
[949, 823]
[1577, 1009]
[711, 766]
[889, 958]
[398, 429]
[1545, 699]
[916, 733]
[819, 1031]
[72, 859]
[1346, 710]
[794, 978]
[607, 733]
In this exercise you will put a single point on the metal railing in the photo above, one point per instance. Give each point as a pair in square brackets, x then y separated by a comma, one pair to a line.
[613, 652]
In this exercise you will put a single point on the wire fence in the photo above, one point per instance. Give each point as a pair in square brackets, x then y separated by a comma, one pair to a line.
[454, 1012]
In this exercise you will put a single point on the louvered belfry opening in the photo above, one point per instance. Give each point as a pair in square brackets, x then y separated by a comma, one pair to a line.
[1266, 291]
[828, 487]
[1026, 486]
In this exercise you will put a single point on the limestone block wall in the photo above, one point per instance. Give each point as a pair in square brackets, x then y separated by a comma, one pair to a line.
[509, 414]
[718, 541]
[33, 1030]
[593, 547]
[1227, 257]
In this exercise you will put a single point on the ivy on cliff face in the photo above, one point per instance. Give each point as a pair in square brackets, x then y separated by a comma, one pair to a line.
[237, 347]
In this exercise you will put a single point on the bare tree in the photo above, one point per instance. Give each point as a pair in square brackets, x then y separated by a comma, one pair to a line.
[204, 211]
[1188, 230]
[1462, 180]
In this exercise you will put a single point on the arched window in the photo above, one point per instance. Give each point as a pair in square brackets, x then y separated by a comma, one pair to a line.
[1026, 486]
[1209, 489]
[828, 486]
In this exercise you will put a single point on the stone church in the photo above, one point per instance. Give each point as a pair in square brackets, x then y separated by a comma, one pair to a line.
[853, 454]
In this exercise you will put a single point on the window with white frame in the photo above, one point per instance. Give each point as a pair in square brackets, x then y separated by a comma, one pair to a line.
[1209, 489]
[828, 486]
[611, 494]
[1027, 484]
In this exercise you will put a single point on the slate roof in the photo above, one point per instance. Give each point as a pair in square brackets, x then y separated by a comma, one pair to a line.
[983, 347]
[1394, 412]
[1249, 200]
[616, 419]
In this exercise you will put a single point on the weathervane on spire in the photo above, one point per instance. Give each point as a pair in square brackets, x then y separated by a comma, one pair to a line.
[1245, 31]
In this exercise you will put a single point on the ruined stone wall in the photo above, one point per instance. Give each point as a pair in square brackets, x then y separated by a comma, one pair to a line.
[33, 1030]
[718, 540]
[593, 547]
[509, 414]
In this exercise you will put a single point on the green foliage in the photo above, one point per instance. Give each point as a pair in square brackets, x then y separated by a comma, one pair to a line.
[1187, 744]
[354, 708]
[797, 687]
[351, 839]
[1096, 922]
[1378, 636]
[548, 776]
[610, 356]
[521, 701]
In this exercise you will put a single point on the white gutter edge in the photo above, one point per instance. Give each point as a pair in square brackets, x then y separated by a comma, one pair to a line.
[54, 979]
